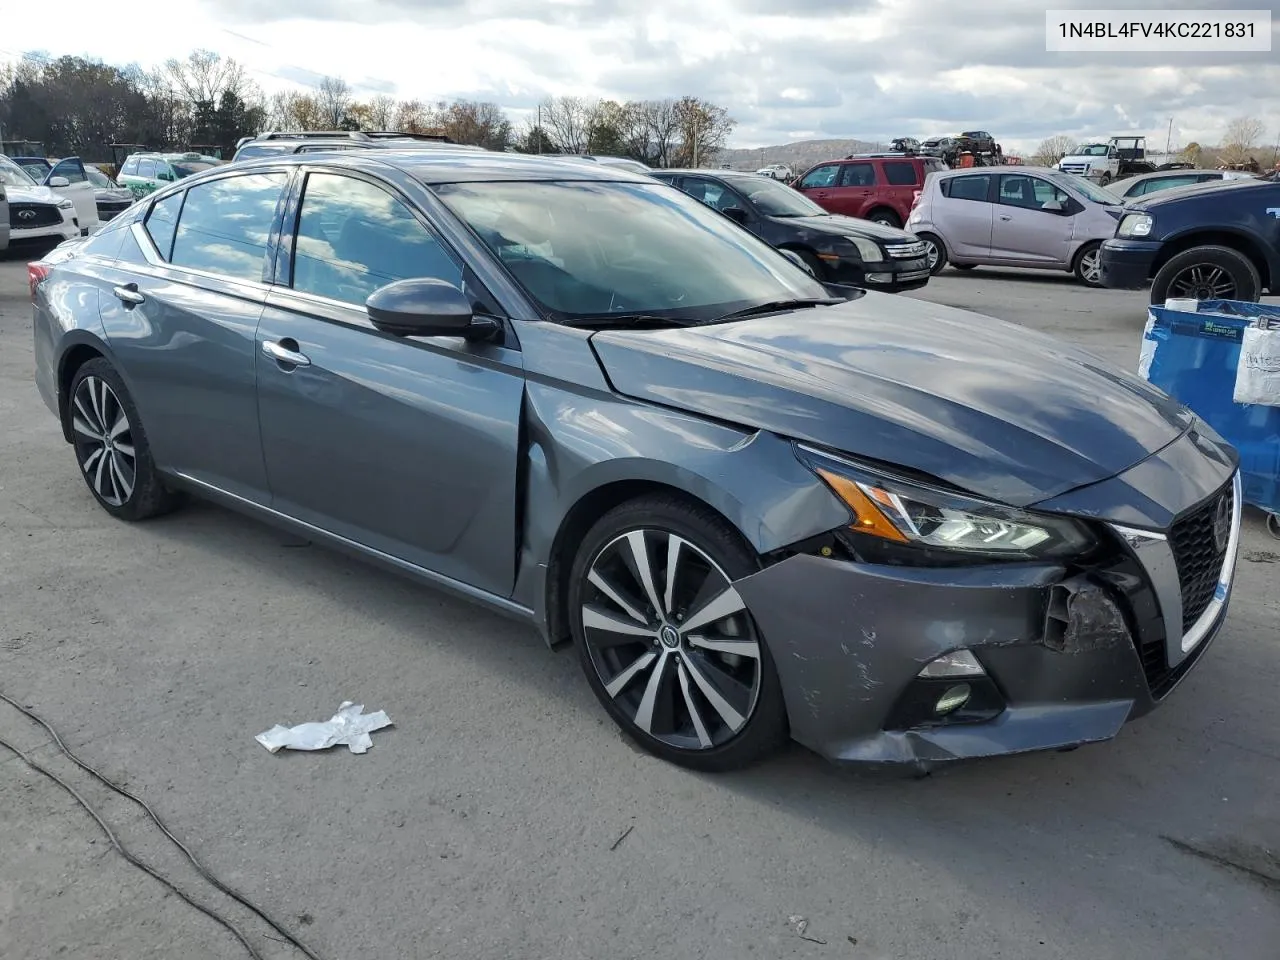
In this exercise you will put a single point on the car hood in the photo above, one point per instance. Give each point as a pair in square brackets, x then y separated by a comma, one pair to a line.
[32, 195]
[1210, 188]
[843, 226]
[988, 406]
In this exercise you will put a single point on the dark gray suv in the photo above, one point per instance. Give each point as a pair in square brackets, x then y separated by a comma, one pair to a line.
[756, 505]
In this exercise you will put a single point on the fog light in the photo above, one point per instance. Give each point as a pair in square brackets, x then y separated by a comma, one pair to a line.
[952, 699]
[957, 663]
[879, 277]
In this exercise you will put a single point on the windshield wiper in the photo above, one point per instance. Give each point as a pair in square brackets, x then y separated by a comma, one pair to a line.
[597, 320]
[774, 306]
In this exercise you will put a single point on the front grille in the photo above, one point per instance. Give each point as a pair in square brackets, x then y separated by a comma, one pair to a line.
[1198, 542]
[24, 216]
[1079, 168]
[905, 251]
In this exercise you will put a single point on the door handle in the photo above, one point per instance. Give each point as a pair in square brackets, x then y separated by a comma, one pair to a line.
[128, 293]
[278, 351]
[1003, 217]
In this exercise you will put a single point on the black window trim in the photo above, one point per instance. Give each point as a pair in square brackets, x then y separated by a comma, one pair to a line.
[152, 253]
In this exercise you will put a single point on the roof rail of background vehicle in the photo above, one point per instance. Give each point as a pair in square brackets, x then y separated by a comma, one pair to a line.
[900, 154]
[348, 135]
[457, 164]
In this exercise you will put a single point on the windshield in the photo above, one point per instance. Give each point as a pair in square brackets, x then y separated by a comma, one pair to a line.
[97, 178]
[1092, 150]
[187, 167]
[586, 248]
[773, 199]
[12, 175]
[1090, 189]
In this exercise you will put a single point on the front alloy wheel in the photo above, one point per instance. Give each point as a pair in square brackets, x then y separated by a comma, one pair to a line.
[670, 648]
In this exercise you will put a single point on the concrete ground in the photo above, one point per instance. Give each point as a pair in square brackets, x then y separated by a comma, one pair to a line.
[504, 816]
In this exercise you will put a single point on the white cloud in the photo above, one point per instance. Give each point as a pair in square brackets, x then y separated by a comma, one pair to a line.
[872, 69]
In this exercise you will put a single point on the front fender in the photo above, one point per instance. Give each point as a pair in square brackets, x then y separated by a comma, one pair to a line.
[578, 446]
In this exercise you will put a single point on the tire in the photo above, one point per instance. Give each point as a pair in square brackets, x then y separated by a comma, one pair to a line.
[937, 252]
[111, 446]
[886, 217]
[1086, 267]
[963, 266]
[731, 724]
[1106, 178]
[1207, 273]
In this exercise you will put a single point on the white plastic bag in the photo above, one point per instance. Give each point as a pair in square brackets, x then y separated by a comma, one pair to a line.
[1258, 372]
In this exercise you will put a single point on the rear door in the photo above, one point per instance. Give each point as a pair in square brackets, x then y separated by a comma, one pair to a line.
[1024, 230]
[181, 312]
[963, 214]
[405, 445]
[78, 190]
[856, 190]
[4, 218]
[902, 183]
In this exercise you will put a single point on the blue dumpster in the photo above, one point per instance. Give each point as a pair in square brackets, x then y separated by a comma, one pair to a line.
[1192, 356]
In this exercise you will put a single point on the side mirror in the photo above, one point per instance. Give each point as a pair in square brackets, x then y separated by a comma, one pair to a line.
[164, 175]
[798, 261]
[736, 214]
[58, 182]
[426, 307]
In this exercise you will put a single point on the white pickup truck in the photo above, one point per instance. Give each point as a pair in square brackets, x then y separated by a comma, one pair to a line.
[1107, 160]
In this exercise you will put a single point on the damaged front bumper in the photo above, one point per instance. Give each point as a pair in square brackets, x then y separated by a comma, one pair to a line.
[1065, 658]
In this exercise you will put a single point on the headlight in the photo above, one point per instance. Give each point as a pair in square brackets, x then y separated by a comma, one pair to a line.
[894, 511]
[868, 250]
[1135, 225]
[65, 204]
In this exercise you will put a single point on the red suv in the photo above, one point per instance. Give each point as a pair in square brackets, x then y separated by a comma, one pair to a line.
[874, 186]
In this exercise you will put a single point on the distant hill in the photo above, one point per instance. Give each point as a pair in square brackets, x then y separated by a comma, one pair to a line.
[800, 155]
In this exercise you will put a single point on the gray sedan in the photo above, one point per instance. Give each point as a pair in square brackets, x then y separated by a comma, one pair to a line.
[755, 505]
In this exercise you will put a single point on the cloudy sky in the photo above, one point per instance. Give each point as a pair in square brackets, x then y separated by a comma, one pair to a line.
[786, 69]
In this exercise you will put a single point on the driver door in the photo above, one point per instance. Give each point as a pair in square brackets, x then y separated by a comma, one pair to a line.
[407, 446]
[78, 190]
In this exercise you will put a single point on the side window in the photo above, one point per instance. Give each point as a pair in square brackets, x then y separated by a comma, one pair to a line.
[967, 188]
[225, 225]
[709, 192]
[130, 167]
[73, 170]
[858, 175]
[146, 168]
[824, 176]
[354, 237]
[161, 222]
[900, 173]
[1029, 193]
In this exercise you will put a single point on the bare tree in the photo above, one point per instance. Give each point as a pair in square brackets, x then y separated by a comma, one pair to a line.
[382, 112]
[1052, 150]
[205, 76]
[661, 121]
[334, 96]
[413, 116]
[567, 121]
[292, 110]
[704, 128]
[1241, 138]
[483, 124]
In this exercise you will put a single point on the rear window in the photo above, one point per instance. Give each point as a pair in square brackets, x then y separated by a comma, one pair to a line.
[900, 173]
[967, 188]
[259, 150]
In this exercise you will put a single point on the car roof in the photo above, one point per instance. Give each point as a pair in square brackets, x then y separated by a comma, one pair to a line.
[1000, 168]
[461, 166]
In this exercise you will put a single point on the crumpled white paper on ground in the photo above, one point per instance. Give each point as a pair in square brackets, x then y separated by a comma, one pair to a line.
[350, 725]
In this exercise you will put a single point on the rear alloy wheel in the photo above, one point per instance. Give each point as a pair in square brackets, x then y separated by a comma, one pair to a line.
[1087, 268]
[885, 218]
[666, 641]
[935, 252]
[1207, 273]
[111, 446]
